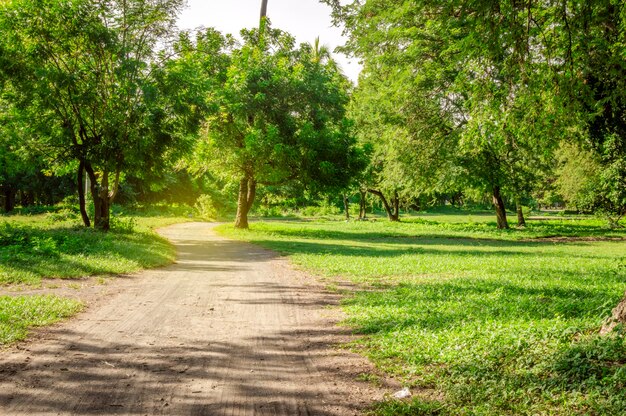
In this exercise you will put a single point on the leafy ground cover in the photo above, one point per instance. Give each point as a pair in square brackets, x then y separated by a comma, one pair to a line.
[18, 314]
[475, 320]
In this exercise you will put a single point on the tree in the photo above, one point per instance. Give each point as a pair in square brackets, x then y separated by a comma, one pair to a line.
[593, 46]
[280, 119]
[87, 68]
[460, 79]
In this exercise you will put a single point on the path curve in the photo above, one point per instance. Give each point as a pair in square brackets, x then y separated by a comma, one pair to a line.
[229, 329]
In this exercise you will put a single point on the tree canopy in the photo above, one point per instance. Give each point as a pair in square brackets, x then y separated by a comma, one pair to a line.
[86, 69]
[280, 118]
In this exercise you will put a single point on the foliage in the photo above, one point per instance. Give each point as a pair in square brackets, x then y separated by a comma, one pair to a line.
[454, 95]
[20, 313]
[595, 35]
[87, 80]
[490, 322]
[592, 184]
[478, 95]
[280, 119]
[209, 209]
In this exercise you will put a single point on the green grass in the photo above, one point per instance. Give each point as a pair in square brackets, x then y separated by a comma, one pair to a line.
[494, 322]
[18, 314]
[54, 246]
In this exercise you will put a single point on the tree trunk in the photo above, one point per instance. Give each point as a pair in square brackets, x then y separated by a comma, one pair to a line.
[396, 207]
[102, 219]
[362, 206]
[251, 193]
[9, 199]
[521, 221]
[27, 198]
[346, 207]
[392, 215]
[101, 199]
[247, 193]
[80, 181]
[618, 316]
[498, 203]
[263, 9]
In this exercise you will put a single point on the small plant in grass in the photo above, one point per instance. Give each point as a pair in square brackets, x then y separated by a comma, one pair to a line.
[415, 407]
[124, 225]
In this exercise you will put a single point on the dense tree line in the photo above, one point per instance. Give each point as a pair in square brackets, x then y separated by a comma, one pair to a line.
[511, 102]
[505, 98]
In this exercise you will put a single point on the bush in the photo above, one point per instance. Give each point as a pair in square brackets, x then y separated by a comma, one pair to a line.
[64, 214]
[325, 209]
[265, 211]
[205, 207]
[124, 225]
[12, 235]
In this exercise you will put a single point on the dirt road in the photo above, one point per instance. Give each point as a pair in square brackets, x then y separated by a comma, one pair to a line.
[230, 329]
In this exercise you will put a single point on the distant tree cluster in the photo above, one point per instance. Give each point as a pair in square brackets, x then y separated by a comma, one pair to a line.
[518, 100]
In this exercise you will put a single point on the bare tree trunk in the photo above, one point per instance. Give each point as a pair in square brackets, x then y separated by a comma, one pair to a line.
[9, 198]
[27, 198]
[362, 205]
[521, 221]
[346, 206]
[251, 193]
[102, 220]
[498, 203]
[392, 215]
[396, 207]
[101, 199]
[263, 9]
[247, 193]
[80, 181]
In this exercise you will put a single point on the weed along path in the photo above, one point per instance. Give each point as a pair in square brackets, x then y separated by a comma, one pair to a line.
[229, 329]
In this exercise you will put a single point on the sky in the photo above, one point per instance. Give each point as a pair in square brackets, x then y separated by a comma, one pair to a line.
[304, 19]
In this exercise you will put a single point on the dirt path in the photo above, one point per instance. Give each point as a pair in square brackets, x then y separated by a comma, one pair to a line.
[229, 329]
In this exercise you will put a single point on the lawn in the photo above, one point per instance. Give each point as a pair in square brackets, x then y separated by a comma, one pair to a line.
[474, 320]
[53, 246]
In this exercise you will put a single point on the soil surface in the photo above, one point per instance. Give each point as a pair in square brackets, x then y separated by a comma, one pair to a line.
[229, 329]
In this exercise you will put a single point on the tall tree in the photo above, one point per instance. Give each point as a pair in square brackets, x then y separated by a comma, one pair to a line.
[280, 119]
[87, 68]
[450, 71]
[593, 46]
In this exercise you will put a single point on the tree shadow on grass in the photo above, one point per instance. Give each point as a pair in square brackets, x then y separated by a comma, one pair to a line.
[457, 247]
[74, 253]
[533, 234]
[441, 306]
[527, 343]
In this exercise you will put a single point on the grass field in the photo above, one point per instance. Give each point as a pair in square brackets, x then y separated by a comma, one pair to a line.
[50, 246]
[474, 320]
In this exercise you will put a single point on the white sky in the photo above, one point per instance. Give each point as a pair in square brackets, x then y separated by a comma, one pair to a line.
[304, 19]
